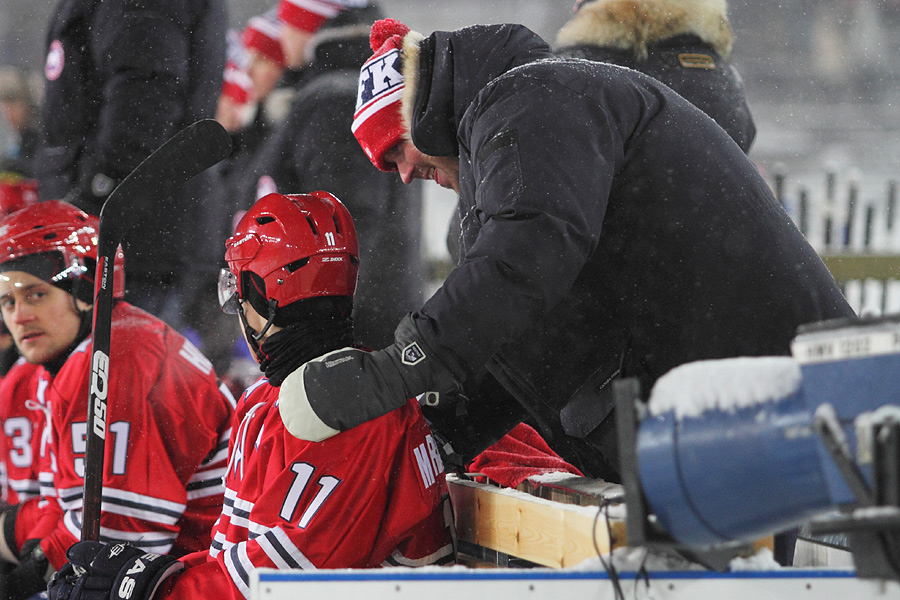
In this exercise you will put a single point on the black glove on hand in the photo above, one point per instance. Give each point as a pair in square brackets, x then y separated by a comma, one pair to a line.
[29, 577]
[98, 571]
[347, 387]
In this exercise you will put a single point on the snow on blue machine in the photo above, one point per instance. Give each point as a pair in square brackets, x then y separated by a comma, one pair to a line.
[735, 449]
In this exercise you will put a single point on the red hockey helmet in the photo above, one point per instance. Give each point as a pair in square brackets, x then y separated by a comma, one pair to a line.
[66, 235]
[300, 246]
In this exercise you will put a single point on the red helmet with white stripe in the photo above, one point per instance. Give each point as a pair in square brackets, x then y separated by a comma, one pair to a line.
[65, 236]
[293, 247]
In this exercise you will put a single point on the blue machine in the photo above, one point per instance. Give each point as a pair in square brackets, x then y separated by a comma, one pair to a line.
[737, 449]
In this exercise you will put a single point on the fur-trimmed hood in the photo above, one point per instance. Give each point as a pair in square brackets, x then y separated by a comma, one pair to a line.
[444, 71]
[635, 24]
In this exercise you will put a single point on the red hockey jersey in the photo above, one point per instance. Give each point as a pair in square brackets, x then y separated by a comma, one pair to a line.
[371, 496]
[23, 413]
[168, 425]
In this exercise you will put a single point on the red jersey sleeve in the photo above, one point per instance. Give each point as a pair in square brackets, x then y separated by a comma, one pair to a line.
[367, 497]
[23, 414]
[168, 425]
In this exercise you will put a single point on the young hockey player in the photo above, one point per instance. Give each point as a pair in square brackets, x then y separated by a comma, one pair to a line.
[168, 421]
[371, 496]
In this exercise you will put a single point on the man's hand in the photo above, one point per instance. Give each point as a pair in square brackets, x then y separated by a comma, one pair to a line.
[348, 387]
[98, 571]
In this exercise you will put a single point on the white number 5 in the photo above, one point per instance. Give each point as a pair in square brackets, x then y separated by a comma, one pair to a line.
[119, 429]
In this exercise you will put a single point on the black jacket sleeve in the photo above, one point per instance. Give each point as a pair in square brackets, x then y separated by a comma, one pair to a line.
[534, 193]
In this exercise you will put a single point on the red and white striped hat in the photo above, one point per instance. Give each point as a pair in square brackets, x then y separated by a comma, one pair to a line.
[377, 121]
[263, 35]
[308, 15]
[236, 84]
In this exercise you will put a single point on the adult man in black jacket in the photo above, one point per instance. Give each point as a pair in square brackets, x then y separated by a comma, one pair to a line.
[609, 229]
[122, 76]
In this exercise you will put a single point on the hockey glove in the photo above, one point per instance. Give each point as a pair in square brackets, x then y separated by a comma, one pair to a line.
[119, 571]
[347, 387]
[30, 576]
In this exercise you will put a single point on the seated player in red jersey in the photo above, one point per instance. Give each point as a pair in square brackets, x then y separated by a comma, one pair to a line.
[371, 496]
[23, 413]
[168, 419]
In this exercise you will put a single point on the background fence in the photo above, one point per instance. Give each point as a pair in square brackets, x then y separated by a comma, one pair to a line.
[852, 222]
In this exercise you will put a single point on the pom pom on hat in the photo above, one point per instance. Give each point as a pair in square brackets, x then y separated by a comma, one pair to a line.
[385, 29]
[377, 122]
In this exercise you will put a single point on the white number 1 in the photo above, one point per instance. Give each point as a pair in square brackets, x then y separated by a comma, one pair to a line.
[304, 473]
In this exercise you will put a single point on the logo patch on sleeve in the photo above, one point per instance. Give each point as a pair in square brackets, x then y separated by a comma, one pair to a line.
[696, 61]
[412, 354]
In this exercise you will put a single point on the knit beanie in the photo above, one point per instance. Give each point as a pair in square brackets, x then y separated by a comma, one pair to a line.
[377, 121]
[263, 35]
[236, 84]
[308, 15]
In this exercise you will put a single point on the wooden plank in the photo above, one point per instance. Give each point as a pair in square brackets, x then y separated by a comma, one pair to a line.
[541, 531]
[560, 532]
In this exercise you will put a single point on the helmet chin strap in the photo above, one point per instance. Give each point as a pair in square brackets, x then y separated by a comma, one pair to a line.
[252, 336]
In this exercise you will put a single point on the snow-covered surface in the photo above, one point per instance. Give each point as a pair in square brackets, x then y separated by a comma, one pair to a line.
[633, 559]
[763, 560]
[726, 385]
[629, 559]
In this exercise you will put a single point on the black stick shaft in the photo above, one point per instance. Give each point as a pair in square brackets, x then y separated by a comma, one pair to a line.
[191, 151]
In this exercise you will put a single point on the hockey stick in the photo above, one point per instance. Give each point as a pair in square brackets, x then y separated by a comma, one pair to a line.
[189, 152]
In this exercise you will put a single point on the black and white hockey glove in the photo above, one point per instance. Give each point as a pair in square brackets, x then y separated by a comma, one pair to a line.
[348, 387]
[98, 571]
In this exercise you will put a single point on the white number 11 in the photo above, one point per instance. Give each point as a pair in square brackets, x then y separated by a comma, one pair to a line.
[304, 473]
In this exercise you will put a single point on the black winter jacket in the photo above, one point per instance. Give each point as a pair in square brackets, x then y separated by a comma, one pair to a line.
[693, 69]
[608, 225]
[122, 76]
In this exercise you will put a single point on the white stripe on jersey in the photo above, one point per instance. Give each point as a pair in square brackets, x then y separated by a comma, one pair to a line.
[148, 508]
[127, 504]
[221, 450]
[209, 479]
[275, 543]
[25, 488]
[238, 511]
[159, 542]
[398, 559]
[219, 543]
[46, 484]
[206, 484]
[235, 563]
[281, 550]
[209, 474]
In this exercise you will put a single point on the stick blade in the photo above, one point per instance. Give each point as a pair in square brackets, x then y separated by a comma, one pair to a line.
[183, 156]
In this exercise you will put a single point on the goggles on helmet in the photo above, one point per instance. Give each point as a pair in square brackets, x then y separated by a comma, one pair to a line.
[228, 292]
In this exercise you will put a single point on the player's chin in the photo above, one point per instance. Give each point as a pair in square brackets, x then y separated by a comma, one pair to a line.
[36, 352]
